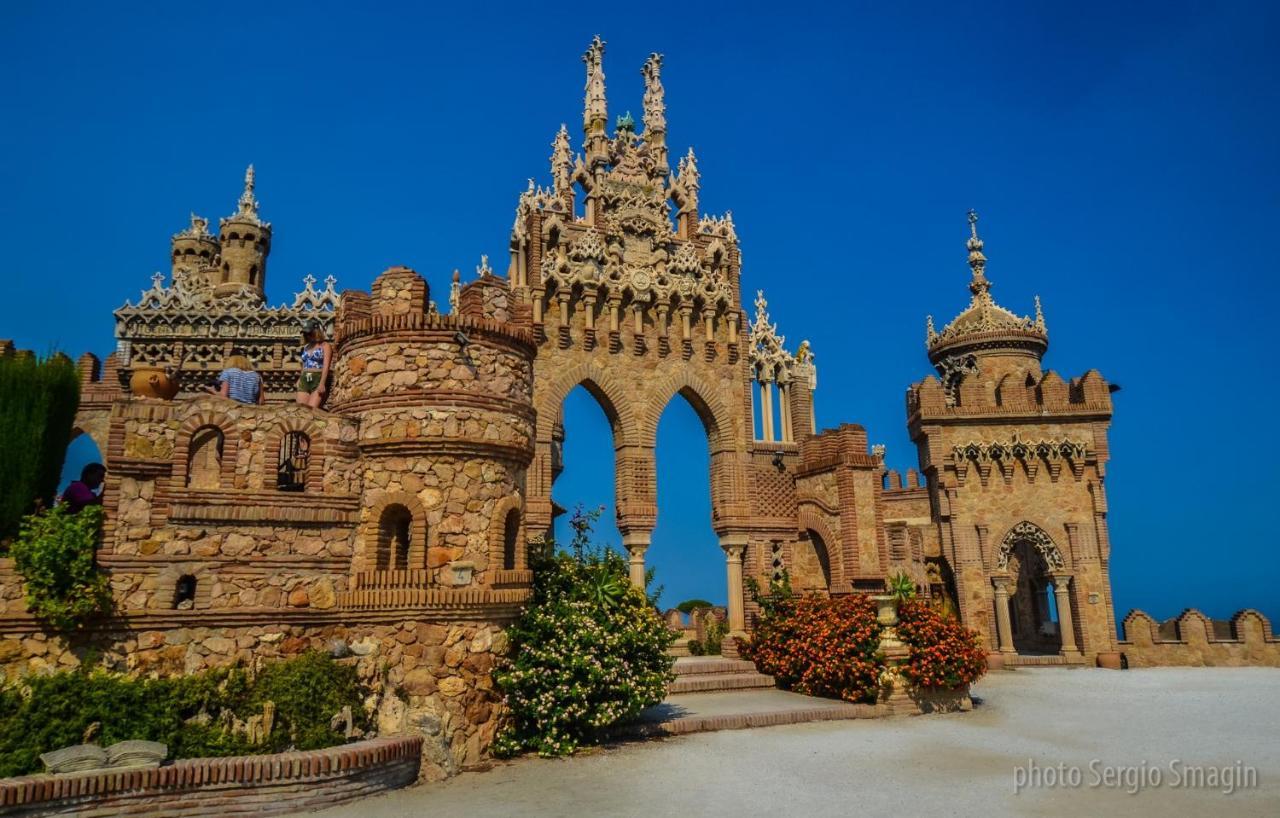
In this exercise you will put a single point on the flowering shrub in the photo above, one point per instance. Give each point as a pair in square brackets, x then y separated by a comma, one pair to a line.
[588, 652]
[819, 646]
[944, 653]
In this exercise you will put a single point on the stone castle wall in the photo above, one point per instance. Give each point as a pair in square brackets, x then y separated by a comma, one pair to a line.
[1193, 639]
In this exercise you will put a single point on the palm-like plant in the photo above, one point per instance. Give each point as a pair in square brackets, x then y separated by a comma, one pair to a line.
[901, 586]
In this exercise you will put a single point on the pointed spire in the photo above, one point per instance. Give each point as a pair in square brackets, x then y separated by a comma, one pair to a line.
[655, 107]
[687, 170]
[979, 286]
[561, 163]
[1039, 314]
[929, 332]
[248, 204]
[595, 113]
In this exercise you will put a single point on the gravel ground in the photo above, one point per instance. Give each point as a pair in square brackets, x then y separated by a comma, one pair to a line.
[1140, 724]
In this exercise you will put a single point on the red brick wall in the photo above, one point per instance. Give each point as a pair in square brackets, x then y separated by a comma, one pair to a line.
[265, 785]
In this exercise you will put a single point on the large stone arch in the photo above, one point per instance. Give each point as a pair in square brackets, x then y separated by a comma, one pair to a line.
[602, 386]
[710, 407]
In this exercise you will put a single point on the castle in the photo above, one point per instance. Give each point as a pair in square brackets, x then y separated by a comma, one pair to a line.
[393, 526]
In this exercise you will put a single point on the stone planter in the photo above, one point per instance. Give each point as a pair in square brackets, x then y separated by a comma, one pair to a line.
[152, 382]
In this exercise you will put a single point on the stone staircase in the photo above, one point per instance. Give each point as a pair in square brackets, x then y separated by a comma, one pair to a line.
[716, 674]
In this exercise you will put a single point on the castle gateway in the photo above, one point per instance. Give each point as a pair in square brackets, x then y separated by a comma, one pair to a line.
[394, 524]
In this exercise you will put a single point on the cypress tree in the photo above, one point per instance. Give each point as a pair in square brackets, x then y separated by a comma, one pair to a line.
[38, 402]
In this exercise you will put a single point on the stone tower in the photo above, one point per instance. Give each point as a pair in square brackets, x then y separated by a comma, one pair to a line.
[245, 242]
[195, 250]
[1015, 461]
[445, 413]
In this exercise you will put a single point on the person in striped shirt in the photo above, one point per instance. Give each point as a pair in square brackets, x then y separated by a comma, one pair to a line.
[239, 382]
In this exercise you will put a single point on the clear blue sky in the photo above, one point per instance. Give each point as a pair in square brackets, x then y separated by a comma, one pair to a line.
[1123, 161]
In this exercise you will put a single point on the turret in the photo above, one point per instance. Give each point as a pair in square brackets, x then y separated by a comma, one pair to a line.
[194, 249]
[245, 241]
[986, 343]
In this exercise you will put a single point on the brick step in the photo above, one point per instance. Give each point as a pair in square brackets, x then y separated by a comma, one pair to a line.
[697, 665]
[719, 682]
[1042, 660]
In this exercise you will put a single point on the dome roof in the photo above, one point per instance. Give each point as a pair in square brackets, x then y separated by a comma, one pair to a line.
[985, 324]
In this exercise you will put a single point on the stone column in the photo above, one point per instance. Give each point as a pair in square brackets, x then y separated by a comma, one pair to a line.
[636, 543]
[784, 411]
[733, 562]
[1002, 614]
[766, 410]
[1066, 626]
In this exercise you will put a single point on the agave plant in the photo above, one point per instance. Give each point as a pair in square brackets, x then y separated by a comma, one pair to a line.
[901, 586]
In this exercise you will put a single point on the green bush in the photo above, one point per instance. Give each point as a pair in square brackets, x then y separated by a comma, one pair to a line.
[38, 402]
[695, 648]
[714, 635]
[589, 652]
[54, 553]
[194, 715]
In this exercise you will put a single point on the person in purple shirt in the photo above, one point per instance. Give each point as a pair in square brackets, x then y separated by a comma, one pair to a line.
[82, 492]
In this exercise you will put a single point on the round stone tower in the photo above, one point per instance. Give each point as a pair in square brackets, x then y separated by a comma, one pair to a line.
[245, 242]
[446, 435]
[194, 249]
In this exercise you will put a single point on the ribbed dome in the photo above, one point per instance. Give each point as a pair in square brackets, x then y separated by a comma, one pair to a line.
[985, 325]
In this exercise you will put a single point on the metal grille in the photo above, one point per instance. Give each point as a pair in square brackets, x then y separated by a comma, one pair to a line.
[295, 457]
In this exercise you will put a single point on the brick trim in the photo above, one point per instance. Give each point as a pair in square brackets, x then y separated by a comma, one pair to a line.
[265, 785]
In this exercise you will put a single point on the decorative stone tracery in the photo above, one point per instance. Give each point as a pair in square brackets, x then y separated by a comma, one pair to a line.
[1035, 535]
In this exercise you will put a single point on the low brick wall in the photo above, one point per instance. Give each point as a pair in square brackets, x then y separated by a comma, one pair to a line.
[1194, 640]
[260, 785]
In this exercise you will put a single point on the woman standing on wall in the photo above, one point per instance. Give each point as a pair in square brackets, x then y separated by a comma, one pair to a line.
[316, 356]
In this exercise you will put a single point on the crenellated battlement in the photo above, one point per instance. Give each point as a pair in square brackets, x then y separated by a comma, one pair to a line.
[1088, 396]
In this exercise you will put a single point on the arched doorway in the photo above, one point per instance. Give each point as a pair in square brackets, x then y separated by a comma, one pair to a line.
[582, 467]
[82, 451]
[684, 550]
[1030, 559]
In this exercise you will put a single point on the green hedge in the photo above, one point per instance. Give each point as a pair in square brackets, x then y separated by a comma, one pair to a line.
[38, 402]
[193, 714]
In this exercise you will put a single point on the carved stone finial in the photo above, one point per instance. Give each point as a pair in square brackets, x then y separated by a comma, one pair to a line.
[979, 285]
[455, 292]
[561, 164]
[483, 270]
[595, 111]
[248, 204]
[929, 332]
[655, 110]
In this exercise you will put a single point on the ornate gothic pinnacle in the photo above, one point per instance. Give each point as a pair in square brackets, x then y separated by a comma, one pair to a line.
[595, 112]
[248, 204]
[561, 163]
[655, 109]
[979, 286]
[762, 307]
[1039, 314]
[929, 331]
[687, 169]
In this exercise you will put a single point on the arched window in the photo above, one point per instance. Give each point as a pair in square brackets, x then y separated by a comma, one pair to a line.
[294, 462]
[510, 539]
[253, 274]
[184, 593]
[394, 532]
[204, 461]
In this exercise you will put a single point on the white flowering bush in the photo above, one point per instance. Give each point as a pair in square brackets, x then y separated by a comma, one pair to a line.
[589, 652]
